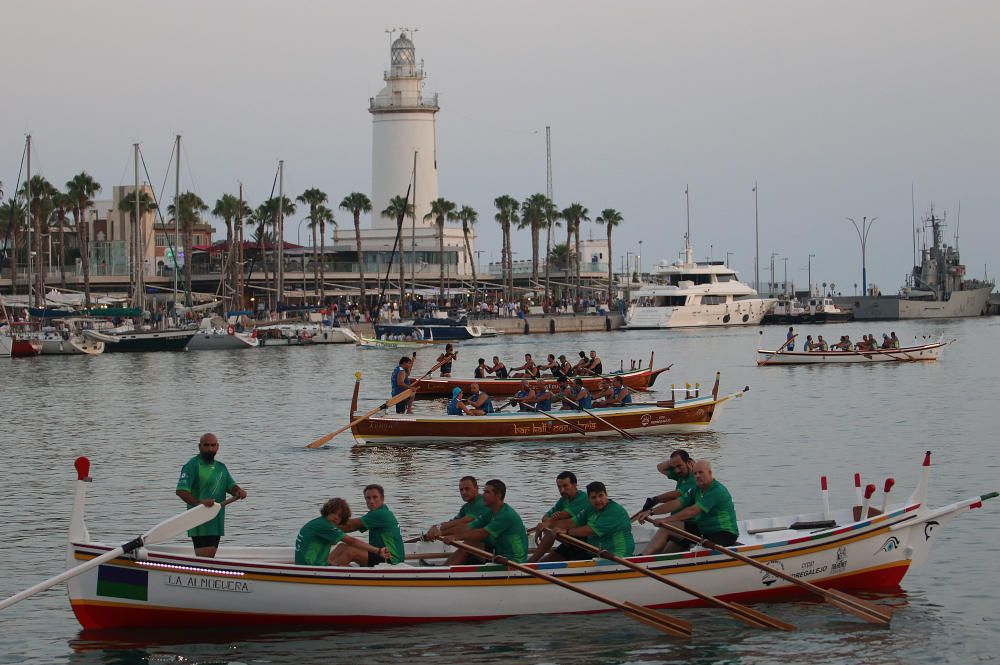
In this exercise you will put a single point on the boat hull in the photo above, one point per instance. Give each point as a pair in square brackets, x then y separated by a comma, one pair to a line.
[924, 352]
[640, 379]
[213, 341]
[241, 588]
[150, 341]
[739, 313]
[960, 304]
[437, 333]
[75, 345]
[687, 415]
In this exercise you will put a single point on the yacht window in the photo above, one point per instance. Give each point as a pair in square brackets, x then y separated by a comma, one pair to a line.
[725, 277]
[713, 300]
[671, 301]
[746, 297]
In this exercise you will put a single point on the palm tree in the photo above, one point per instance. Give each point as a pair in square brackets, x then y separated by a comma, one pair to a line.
[136, 248]
[440, 209]
[507, 208]
[62, 203]
[551, 221]
[12, 220]
[82, 188]
[574, 215]
[41, 201]
[399, 208]
[261, 236]
[610, 218]
[323, 216]
[357, 203]
[313, 198]
[228, 208]
[533, 217]
[188, 212]
[468, 216]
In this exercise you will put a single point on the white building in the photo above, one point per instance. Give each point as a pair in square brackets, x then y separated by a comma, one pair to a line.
[403, 124]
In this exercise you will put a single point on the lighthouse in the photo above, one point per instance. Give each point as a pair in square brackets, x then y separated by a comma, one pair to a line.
[403, 124]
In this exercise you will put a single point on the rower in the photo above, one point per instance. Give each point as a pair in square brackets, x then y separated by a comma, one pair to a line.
[581, 365]
[543, 398]
[382, 527]
[500, 527]
[582, 395]
[619, 394]
[571, 501]
[401, 381]
[564, 366]
[456, 407]
[789, 342]
[895, 340]
[679, 467]
[478, 401]
[605, 524]
[886, 342]
[709, 509]
[595, 366]
[551, 366]
[447, 358]
[603, 392]
[481, 369]
[531, 370]
[524, 396]
[808, 346]
[472, 507]
[821, 344]
[498, 368]
[314, 546]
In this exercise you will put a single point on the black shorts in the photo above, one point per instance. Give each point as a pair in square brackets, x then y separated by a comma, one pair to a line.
[473, 560]
[401, 406]
[205, 541]
[723, 538]
[573, 553]
[375, 559]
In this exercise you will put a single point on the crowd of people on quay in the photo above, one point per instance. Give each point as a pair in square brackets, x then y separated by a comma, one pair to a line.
[867, 343]
[698, 503]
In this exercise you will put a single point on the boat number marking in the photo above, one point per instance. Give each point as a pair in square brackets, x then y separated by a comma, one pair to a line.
[208, 583]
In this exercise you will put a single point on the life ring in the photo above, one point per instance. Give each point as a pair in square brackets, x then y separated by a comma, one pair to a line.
[231, 330]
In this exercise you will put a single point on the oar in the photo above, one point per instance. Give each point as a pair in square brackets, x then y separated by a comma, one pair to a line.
[860, 608]
[165, 530]
[596, 417]
[557, 419]
[662, 622]
[745, 614]
[392, 401]
[779, 349]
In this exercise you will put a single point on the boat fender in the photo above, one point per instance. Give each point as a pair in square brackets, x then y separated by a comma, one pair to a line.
[527, 329]
[607, 323]
[552, 326]
[231, 330]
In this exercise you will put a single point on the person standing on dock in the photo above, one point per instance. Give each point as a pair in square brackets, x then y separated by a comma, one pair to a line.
[382, 527]
[401, 382]
[203, 481]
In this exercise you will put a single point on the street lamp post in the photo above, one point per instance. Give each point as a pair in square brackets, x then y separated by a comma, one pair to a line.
[809, 268]
[640, 259]
[863, 230]
[784, 286]
[770, 291]
[756, 235]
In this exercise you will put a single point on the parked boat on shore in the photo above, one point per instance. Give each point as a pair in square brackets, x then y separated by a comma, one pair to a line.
[142, 341]
[166, 586]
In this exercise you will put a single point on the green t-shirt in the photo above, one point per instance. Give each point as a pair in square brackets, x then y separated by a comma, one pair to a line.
[207, 481]
[384, 532]
[717, 510]
[611, 526]
[473, 508]
[314, 542]
[572, 506]
[685, 485]
[506, 532]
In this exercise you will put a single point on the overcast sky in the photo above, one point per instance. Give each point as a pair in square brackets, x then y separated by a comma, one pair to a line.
[835, 108]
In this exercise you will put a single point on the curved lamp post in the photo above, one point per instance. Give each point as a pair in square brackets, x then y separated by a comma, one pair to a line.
[863, 230]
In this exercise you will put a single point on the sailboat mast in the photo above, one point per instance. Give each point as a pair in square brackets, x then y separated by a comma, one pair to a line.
[413, 246]
[136, 237]
[177, 209]
[238, 271]
[281, 234]
[27, 184]
[688, 253]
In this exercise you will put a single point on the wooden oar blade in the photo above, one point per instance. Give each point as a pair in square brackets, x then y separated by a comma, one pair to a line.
[859, 607]
[178, 524]
[664, 622]
[758, 619]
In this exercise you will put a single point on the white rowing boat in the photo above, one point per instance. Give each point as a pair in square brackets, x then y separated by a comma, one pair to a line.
[167, 586]
[919, 352]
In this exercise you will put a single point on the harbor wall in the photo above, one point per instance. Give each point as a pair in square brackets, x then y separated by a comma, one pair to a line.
[534, 325]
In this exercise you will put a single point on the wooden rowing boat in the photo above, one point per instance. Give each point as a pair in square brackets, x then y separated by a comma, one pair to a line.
[167, 586]
[921, 352]
[683, 415]
[372, 343]
[634, 379]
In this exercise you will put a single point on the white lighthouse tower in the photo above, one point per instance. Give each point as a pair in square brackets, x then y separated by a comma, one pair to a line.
[402, 123]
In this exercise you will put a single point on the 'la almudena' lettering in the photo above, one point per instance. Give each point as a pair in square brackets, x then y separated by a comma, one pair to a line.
[208, 583]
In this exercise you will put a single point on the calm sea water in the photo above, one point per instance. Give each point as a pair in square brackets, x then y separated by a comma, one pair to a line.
[138, 418]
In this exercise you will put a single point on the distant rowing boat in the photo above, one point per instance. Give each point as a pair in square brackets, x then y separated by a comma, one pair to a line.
[920, 352]
[634, 379]
[372, 343]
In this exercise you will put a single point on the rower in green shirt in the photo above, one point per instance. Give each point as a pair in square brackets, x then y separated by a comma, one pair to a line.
[314, 545]
[679, 467]
[708, 512]
[500, 529]
[571, 501]
[382, 527]
[205, 481]
[605, 524]
[472, 508]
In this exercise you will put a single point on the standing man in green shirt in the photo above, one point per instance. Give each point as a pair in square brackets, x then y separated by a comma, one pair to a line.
[500, 529]
[314, 545]
[203, 481]
[472, 507]
[382, 527]
[707, 512]
[605, 525]
[571, 501]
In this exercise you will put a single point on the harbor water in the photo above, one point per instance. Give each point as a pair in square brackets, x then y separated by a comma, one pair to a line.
[138, 418]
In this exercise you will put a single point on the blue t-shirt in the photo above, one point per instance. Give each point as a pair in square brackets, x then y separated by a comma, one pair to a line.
[454, 409]
[545, 404]
[617, 391]
[395, 378]
[487, 406]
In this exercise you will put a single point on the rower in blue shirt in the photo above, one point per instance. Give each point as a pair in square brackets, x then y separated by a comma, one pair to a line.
[479, 401]
[619, 394]
[543, 398]
[401, 382]
[455, 406]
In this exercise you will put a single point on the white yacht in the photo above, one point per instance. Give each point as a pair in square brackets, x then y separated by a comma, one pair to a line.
[693, 294]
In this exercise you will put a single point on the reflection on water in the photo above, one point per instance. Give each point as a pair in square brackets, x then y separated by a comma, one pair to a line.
[138, 418]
